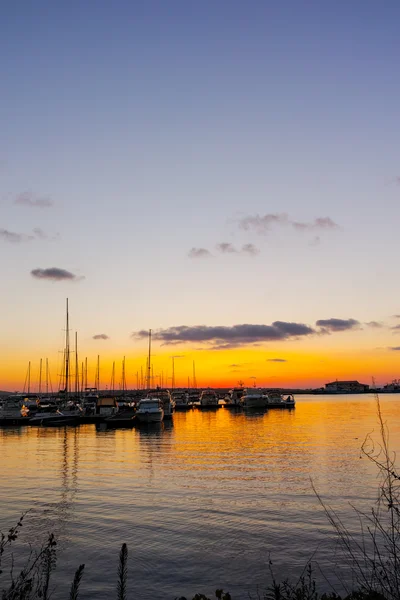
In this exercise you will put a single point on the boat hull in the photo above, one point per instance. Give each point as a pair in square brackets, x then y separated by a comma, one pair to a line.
[149, 417]
[254, 403]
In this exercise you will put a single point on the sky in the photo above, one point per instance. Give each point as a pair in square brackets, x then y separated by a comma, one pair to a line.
[224, 173]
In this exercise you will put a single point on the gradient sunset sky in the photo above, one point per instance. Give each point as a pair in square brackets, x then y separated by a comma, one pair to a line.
[224, 173]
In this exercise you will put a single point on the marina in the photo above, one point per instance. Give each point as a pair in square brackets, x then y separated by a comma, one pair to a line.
[149, 406]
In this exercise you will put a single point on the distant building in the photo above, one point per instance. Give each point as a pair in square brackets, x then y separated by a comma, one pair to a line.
[346, 387]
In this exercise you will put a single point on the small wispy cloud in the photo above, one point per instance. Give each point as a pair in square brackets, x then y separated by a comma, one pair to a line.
[375, 324]
[262, 224]
[318, 223]
[226, 248]
[13, 237]
[394, 348]
[101, 336]
[250, 249]
[33, 201]
[334, 325]
[55, 274]
[199, 253]
[16, 238]
[277, 360]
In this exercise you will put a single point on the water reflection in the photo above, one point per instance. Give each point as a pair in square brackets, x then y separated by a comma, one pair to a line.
[213, 492]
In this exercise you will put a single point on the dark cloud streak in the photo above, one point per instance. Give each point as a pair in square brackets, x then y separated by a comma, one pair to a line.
[223, 337]
[55, 274]
[333, 325]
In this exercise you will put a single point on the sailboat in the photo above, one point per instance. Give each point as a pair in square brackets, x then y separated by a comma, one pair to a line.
[151, 408]
[53, 414]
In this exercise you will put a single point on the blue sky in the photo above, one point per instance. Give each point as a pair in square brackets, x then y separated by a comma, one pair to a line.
[156, 127]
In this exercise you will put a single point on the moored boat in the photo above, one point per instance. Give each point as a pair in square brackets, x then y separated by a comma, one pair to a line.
[208, 399]
[181, 401]
[53, 415]
[253, 398]
[232, 399]
[167, 402]
[150, 410]
[278, 400]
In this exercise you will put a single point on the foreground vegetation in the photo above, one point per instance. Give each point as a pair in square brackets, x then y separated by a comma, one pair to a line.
[375, 561]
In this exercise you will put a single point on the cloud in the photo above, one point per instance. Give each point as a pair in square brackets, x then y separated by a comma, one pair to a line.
[331, 325]
[17, 238]
[318, 223]
[199, 253]
[29, 199]
[374, 324]
[250, 249]
[101, 336]
[395, 316]
[277, 360]
[226, 248]
[394, 348]
[223, 337]
[261, 224]
[13, 237]
[55, 274]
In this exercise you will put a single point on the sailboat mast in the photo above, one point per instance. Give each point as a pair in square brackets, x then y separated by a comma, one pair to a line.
[98, 373]
[29, 377]
[85, 372]
[123, 376]
[149, 362]
[47, 376]
[194, 376]
[173, 373]
[67, 356]
[40, 377]
[76, 366]
[112, 383]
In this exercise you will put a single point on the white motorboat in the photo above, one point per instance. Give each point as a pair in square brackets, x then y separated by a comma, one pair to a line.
[253, 398]
[208, 399]
[278, 400]
[150, 410]
[167, 402]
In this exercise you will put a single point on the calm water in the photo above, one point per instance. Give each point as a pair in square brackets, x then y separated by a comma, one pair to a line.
[202, 503]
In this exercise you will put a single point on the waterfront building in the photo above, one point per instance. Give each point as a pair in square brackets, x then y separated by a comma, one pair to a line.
[346, 387]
